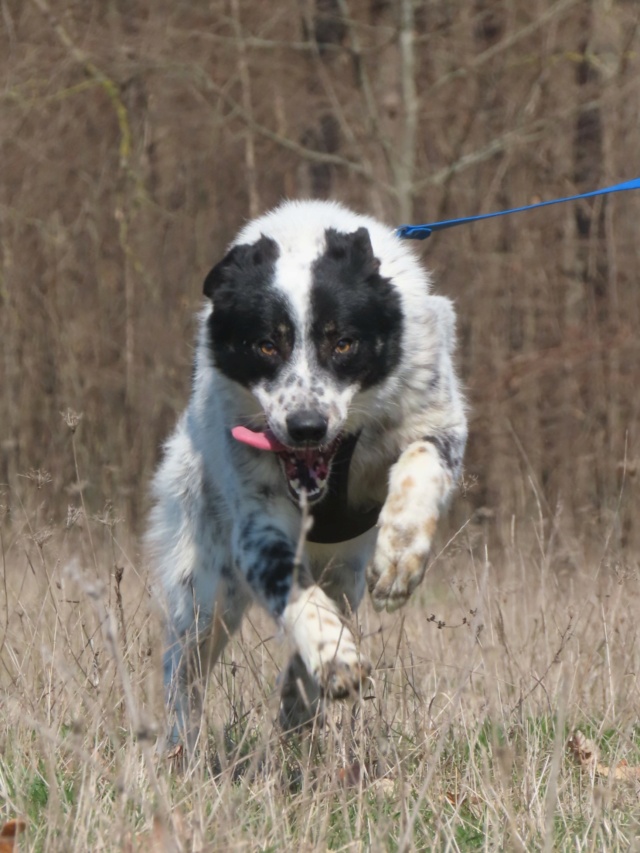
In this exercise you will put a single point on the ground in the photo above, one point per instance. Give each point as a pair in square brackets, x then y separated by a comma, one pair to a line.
[459, 743]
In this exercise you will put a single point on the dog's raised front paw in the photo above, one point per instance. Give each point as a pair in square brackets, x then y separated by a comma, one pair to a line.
[417, 487]
[400, 559]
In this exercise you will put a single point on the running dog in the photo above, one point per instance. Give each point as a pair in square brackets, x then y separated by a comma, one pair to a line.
[323, 378]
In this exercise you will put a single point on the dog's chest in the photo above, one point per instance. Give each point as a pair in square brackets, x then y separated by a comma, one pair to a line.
[337, 518]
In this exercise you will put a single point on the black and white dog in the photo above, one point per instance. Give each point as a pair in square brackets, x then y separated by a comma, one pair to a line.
[323, 368]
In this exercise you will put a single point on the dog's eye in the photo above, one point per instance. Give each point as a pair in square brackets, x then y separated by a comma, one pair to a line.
[268, 348]
[343, 346]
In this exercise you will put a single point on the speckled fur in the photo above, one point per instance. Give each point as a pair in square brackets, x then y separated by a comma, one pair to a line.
[223, 530]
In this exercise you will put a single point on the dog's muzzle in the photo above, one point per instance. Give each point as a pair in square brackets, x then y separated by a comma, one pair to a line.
[306, 469]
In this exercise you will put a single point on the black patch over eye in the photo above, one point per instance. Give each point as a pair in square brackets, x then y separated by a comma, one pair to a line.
[250, 329]
[356, 313]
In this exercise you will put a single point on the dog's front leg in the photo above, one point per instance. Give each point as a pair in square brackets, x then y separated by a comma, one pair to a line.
[265, 552]
[324, 642]
[420, 485]
[266, 555]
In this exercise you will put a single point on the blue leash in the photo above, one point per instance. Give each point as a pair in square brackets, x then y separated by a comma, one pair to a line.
[421, 232]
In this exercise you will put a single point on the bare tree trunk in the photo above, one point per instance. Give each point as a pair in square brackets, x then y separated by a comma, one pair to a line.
[250, 175]
[405, 168]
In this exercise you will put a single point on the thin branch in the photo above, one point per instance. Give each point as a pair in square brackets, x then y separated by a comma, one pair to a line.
[301, 150]
[480, 155]
[506, 43]
[536, 130]
[253, 42]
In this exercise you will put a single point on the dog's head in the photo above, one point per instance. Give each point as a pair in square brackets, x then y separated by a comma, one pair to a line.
[306, 328]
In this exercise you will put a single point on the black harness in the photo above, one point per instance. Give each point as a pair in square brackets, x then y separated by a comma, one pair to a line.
[333, 519]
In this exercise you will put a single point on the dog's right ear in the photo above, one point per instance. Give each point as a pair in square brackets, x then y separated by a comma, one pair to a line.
[222, 272]
[243, 258]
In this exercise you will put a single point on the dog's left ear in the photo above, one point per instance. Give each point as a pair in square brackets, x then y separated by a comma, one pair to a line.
[243, 258]
[354, 249]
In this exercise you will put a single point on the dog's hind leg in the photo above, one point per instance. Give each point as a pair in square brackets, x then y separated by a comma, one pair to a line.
[184, 676]
[176, 665]
[188, 659]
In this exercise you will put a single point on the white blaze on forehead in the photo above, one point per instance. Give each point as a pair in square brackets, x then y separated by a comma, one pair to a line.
[293, 278]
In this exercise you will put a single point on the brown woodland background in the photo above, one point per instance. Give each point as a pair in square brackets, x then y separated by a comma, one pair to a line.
[137, 136]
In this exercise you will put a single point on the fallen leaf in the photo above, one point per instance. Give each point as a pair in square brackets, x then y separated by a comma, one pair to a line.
[459, 798]
[350, 775]
[586, 753]
[9, 834]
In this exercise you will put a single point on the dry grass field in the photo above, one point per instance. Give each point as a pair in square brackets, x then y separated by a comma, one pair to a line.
[459, 743]
[135, 138]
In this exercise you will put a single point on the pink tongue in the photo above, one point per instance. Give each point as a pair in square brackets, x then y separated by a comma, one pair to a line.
[260, 440]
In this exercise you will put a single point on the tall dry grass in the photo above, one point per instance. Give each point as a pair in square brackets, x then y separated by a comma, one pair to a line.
[458, 744]
[136, 138]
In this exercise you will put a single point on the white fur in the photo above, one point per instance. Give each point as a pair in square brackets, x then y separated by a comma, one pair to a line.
[408, 456]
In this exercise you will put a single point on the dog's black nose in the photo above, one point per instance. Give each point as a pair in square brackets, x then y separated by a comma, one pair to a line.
[307, 426]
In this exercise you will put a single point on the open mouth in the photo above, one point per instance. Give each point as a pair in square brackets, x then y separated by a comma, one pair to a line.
[308, 470]
[305, 469]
